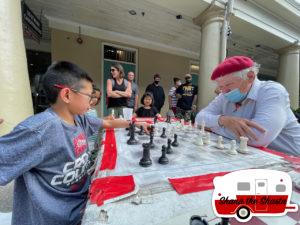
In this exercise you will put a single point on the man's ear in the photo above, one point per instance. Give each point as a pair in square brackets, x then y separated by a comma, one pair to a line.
[64, 94]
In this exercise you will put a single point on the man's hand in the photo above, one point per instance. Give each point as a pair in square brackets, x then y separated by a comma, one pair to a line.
[240, 127]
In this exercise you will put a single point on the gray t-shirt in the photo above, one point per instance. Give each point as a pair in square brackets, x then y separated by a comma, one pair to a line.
[49, 160]
[135, 91]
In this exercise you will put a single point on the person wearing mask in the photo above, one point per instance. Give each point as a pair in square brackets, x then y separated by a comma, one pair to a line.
[172, 95]
[132, 102]
[187, 98]
[157, 92]
[246, 106]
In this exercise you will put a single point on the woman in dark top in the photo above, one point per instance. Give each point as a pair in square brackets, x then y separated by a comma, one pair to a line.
[147, 110]
[118, 91]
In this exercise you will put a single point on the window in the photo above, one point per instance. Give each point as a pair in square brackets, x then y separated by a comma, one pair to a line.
[243, 186]
[119, 54]
[280, 188]
[261, 184]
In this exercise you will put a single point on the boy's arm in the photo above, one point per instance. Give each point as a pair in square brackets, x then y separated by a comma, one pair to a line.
[20, 151]
[119, 123]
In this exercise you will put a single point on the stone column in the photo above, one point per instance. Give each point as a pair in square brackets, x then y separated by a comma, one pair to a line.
[210, 52]
[288, 73]
[15, 93]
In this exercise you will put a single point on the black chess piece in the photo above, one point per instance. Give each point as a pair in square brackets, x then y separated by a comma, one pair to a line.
[163, 135]
[141, 130]
[146, 160]
[169, 148]
[168, 119]
[175, 143]
[132, 140]
[163, 159]
[151, 137]
[197, 220]
[155, 119]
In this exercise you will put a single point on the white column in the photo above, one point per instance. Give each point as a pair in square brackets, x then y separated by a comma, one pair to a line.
[288, 73]
[15, 94]
[210, 52]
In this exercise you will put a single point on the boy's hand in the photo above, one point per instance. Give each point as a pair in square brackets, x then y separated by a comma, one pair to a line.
[146, 126]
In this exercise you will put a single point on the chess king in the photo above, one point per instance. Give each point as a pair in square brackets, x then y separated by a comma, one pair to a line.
[246, 106]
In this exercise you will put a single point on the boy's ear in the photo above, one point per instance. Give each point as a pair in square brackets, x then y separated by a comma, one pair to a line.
[64, 94]
[251, 76]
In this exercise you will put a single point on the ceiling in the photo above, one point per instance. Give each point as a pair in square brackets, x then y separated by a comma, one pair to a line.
[155, 21]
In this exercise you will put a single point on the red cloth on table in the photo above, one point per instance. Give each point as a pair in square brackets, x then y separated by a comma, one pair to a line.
[187, 185]
[106, 188]
[109, 158]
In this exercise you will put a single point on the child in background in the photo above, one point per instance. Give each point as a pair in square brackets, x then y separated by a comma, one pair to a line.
[47, 154]
[148, 109]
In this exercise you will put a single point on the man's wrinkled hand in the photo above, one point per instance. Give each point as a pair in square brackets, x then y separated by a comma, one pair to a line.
[241, 127]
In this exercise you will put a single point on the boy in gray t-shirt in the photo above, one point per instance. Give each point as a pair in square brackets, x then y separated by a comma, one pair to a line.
[47, 154]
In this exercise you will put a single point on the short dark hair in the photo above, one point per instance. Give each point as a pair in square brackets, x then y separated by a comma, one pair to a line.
[95, 88]
[156, 76]
[147, 94]
[62, 73]
[175, 79]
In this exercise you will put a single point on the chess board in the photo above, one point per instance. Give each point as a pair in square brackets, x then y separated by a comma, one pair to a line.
[157, 200]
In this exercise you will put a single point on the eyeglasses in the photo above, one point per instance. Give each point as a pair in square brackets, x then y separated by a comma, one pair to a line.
[92, 97]
[112, 70]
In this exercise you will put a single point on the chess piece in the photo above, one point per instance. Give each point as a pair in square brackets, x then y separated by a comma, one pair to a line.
[243, 145]
[203, 127]
[175, 143]
[163, 159]
[206, 138]
[132, 140]
[168, 119]
[155, 119]
[232, 150]
[199, 140]
[113, 112]
[220, 142]
[146, 160]
[151, 144]
[163, 135]
[141, 130]
[169, 148]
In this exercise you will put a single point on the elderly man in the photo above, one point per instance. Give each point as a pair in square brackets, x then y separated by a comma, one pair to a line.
[259, 110]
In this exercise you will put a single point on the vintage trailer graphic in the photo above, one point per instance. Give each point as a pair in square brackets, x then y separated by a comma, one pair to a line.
[254, 192]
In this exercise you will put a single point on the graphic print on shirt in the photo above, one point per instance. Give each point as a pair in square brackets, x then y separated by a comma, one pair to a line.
[188, 90]
[74, 171]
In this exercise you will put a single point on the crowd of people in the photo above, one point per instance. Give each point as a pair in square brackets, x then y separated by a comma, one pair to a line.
[124, 93]
[48, 154]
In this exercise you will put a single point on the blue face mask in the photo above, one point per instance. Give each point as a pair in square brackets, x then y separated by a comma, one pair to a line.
[235, 95]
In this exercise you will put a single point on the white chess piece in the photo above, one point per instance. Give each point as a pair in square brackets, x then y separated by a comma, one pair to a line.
[243, 144]
[113, 112]
[206, 138]
[232, 150]
[199, 140]
[220, 142]
[203, 127]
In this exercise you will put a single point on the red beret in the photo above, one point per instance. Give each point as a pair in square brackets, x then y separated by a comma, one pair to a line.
[231, 65]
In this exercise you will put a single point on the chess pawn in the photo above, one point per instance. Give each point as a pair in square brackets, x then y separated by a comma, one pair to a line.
[232, 150]
[163, 135]
[206, 139]
[146, 160]
[141, 132]
[243, 144]
[220, 142]
[169, 148]
[175, 143]
[163, 159]
[199, 140]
